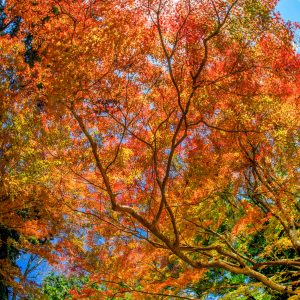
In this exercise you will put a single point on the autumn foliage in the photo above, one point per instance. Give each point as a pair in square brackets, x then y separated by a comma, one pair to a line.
[145, 143]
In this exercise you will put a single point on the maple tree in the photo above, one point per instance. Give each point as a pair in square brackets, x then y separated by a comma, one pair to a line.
[170, 131]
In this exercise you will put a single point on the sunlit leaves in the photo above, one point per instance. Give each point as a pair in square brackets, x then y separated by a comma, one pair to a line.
[165, 141]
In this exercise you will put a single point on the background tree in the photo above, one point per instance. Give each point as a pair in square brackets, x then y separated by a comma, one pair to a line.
[57, 287]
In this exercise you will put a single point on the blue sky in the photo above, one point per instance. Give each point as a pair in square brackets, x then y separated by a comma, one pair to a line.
[289, 9]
